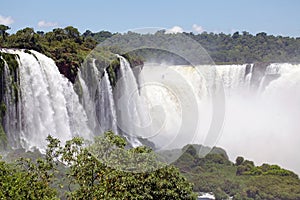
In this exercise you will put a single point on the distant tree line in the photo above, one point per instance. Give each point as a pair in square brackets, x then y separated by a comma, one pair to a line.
[222, 48]
[227, 48]
[68, 47]
[247, 48]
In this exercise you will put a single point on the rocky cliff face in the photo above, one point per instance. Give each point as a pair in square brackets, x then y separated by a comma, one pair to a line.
[69, 69]
[258, 73]
[9, 96]
[261, 77]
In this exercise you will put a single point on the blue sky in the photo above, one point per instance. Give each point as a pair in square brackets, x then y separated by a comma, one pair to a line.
[279, 17]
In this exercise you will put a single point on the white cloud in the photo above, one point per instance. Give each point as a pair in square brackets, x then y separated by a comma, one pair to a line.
[47, 24]
[6, 20]
[175, 29]
[197, 28]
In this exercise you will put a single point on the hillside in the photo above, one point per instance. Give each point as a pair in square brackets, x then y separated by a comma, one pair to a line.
[240, 180]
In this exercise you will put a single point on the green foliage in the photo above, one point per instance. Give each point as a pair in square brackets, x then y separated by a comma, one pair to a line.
[216, 159]
[24, 39]
[26, 181]
[3, 139]
[244, 180]
[3, 29]
[112, 68]
[239, 160]
[223, 48]
[247, 48]
[108, 169]
[99, 37]
[105, 169]
[95, 173]
[11, 61]
[248, 168]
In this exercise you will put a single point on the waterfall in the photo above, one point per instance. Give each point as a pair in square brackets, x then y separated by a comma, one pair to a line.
[12, 119]
[272, 72]
[97, 99]
[171, 93]
[169, 105]
[131, 107]
[248, 77]
[88, 104]
[48, 103]
[181, 97]
[121, 110]
[262, 84]
[260, 126]
[234, 78]
[105, 105]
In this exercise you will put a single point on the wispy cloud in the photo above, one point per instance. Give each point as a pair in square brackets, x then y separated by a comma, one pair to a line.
[174, 29]
[47, 24]
[6, 20]
[197, 28]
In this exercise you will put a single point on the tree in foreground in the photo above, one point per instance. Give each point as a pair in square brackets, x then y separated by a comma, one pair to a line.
[107, 169]
[27, 181]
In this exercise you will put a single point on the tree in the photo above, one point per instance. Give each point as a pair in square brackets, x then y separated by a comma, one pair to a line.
[236, 35]
[100, 36]
[72, 32]
[88, 33]
[59, 34]
[25, 181]
[3, 29]
[239, 160]
[41, 33]
[26, 39]
[191, 150]
[108, 170]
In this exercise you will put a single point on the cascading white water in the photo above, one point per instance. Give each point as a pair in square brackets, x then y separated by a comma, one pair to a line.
[131, 110]
[170, 92]
[97, 99]
[48, 102]
[260, 126]
[274, 69]
[88, 104]
[248, 77]
[234, 78]
[184, 94]
[13, 111]
[105, 105]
